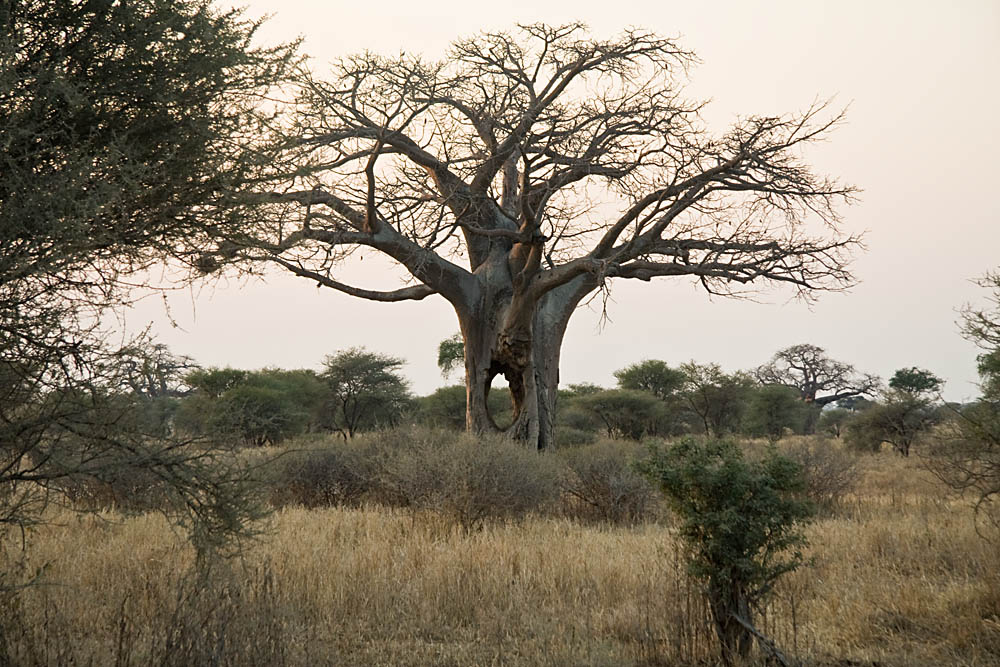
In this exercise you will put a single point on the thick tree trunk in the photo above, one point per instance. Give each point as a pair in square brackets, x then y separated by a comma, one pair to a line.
[509, 335]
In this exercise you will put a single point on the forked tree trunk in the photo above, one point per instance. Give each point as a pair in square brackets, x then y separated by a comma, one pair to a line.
[509, 336]
[735, 638]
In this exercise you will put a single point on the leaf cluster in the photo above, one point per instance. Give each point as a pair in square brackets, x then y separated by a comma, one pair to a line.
[741, 519]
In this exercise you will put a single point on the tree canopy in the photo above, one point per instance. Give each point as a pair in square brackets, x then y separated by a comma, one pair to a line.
[808, 369]
[121, 124]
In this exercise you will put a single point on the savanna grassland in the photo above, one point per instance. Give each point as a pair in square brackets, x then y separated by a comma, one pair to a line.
[899, 577]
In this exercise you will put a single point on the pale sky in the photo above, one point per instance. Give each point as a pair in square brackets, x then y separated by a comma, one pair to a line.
[922, 80]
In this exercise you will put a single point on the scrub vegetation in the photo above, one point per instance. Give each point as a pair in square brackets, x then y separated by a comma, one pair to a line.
[156, 511]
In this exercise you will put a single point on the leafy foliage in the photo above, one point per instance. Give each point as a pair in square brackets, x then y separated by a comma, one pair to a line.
[445, 407]
[653, 376]
[718, 399]
[742, 521]
[119, 122]
[900, 420]
[834, 420]
[916, 381]
[451, 354]
[772, 409]
[365, 389]
[625, 413]
[251, 408]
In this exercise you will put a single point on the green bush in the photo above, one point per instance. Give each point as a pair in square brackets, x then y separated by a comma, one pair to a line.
[742, 521]
[625, 413]
[900, 421]
[602, 484]
[773, 409]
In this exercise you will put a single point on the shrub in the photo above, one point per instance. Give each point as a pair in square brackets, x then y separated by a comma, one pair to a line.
[337, 474]
[742, 522]
[602, 484]
[568, 436]
[830, 472]
[467, 480]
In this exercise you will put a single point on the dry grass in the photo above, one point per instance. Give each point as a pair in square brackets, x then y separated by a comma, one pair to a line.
[900, 578]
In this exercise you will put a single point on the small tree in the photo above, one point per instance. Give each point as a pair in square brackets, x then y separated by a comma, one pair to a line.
[251, 408]
[366, 390]
[625, 413]
[834, 420]
[451, 354]
[653, 376]
[742, 522]
[906, 413]
[772, 409]
[915, 381]
[717, 398]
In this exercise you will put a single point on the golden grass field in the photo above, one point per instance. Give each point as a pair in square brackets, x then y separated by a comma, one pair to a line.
[900, 578]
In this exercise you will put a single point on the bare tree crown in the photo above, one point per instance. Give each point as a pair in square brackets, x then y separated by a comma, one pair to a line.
[565, 156]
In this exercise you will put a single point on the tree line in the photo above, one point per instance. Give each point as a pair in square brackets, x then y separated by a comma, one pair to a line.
[801, 390]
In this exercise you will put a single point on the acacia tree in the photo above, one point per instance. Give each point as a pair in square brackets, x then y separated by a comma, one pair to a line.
[120, 123]
[521, 176]
[365, 388]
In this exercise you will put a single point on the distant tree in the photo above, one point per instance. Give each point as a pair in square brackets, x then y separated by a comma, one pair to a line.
[833, 420]
[899, 421]
[154, 372]
[214, 382]
[742, 521]
[657, 378]
[653, 376]
[717, 399]
[580, 389]
[445, 407]
[854, 403]
[251, 408]
[366, 390]
[625, 413]
[451, 354]
[905, 413]
[772, 409]
[916, 381]
[155, 377]
[807, 368]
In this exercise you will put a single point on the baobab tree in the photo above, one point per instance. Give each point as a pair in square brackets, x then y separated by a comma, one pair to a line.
[808, 369]
[524, 174]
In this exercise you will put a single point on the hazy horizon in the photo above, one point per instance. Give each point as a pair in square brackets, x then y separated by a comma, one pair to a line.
[919, 140]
